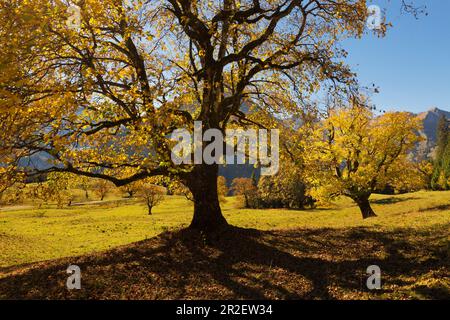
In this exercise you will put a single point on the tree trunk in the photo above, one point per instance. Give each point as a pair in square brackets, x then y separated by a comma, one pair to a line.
[246, 201]
[149, 209]
[364, 206]
[202, 183]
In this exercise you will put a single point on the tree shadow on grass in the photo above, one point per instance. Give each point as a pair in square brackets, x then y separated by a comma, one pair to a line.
[330, 259]
[392, 200]
[441, 207]
[246, 264]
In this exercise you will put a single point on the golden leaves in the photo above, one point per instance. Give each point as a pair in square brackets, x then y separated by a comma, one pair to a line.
[355, 151]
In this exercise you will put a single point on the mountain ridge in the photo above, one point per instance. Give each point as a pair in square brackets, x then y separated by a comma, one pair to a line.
[430, 120]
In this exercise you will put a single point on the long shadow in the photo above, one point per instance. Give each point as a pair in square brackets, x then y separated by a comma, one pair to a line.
[441, 207]
[392, 200]
[241, 264]
[323, 272]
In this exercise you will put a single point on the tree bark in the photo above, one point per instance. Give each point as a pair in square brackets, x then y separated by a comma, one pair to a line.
[202, 183]
[364, 206]
[149, 210]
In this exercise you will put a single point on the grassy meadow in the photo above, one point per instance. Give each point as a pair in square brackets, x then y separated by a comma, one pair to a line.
[411, 231]
[33, 234]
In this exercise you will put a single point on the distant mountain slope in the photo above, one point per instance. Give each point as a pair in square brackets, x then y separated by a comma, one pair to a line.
[430, 120]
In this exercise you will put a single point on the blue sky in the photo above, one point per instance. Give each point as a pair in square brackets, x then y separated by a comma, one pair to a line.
[411, 65]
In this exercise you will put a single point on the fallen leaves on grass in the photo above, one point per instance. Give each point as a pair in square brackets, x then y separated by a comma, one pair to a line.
[250, 264]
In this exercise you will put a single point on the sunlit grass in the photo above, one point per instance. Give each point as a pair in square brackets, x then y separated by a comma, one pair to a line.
[420, 209]
[40, 234]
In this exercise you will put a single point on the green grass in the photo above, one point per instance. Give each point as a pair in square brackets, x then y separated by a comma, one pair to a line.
[413, 210]
[32, 235]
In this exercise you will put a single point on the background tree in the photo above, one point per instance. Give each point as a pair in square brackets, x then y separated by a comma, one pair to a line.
[426, 169]
[441, 170]
[104, 95]
[179, 189]
[245, 188]
[39, 193]
[84, 183]
[353, 152]
[102, 188]
[60, 188]
[57, 188]
[12, 195]
[131, 189]
[151, 194]
[286, 189]
[222, 188]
